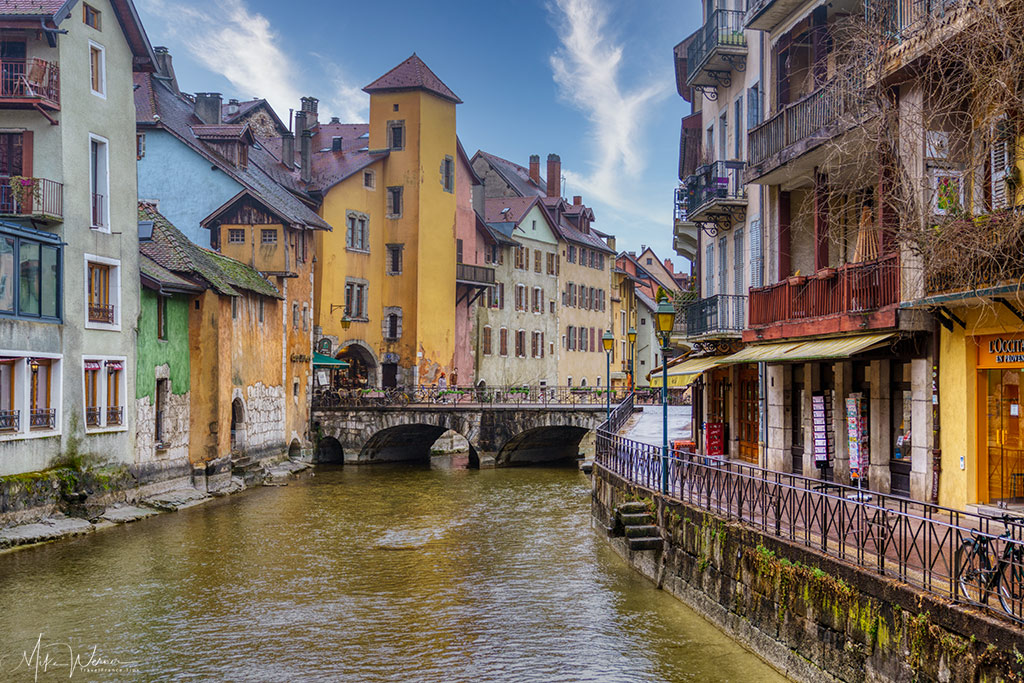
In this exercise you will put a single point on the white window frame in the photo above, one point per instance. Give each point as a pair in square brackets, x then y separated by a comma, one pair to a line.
[115, 292]
[101, 390]
[23, 394]
[106, 182]
[102, 94]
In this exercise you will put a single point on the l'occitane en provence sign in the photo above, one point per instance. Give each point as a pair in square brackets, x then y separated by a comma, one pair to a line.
[1001, 351]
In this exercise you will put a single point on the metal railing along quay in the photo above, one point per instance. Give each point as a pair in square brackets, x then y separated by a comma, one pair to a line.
[914, 542]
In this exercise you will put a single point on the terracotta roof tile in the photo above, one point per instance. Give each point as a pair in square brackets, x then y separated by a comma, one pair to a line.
[31, 7]
[412, 74]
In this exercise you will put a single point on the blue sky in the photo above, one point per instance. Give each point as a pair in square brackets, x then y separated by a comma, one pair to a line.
[590, 80]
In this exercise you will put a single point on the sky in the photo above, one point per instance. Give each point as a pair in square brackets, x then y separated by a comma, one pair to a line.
[589, 80]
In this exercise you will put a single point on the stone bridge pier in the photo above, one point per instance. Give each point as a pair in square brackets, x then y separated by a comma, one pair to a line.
[498, 436]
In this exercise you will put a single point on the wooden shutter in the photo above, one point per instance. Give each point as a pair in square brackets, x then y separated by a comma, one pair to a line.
[1002, 163]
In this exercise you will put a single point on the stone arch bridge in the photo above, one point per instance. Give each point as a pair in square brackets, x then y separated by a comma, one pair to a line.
[498, 435]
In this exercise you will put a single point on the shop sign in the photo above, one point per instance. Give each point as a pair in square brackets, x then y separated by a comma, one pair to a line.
[1000, 350]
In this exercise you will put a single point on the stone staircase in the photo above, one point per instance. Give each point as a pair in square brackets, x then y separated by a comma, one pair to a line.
[247, 469]
[636, 523]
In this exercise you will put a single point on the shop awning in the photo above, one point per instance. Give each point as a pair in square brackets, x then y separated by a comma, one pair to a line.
[814, 349]
[322, 361]
[685, 373]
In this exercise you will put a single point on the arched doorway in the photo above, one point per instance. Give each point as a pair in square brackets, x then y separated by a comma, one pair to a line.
[362, 369]
[329, 450]
[294, 450]
[237, 425]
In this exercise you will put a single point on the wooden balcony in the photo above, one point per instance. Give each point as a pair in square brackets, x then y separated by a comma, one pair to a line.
[466, 274]
[38, 198]
[718, 49]
[853, 297]
[716, 193]
[28, 83]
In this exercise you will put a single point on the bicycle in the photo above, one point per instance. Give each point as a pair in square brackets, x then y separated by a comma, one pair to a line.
[978, 576]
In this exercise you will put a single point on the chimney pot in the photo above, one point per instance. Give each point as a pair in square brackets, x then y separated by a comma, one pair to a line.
[335, 119]
[288, 150]
[310, 105]
[300, 123]
[668, 265]
[207, 107]
[554, 175]
[535, 169]
[306, 155]
[577, 200]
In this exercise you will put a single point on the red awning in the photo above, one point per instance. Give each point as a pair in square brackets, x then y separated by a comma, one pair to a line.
[8, 360]
[92, 365]
[114, 365]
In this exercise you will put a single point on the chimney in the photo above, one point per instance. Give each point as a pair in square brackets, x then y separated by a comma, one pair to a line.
[207, 107]
[232, 107]
[300, 123]
[577, 200]
[668, 266]
[165, 68]
[554, 175]
[336, 143]
[310, 106]
[335, 119]
[288, 150]
[535, 169]
[305, 168]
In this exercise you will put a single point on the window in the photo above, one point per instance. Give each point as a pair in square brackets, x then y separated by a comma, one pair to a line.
[369, 181]
[738, 133]
[268, 236]
[396, 135]
[537, 259]
[140, 145]
[723, 133]
[161, 317]
[551, 264]
[300, 244]
[357, 237]
[99, 180]
[30, 277]
[503, 341]
[356, 299]
[295, 316]
[305, 316]
[93, 408]
[570, 254]
[115, 411]
[753, 106]
[458, 251]
[97, 68]
[91, 16]
[551, 306]
[262, 310]
[487, 340]
[520, 343]
[236, 235]
[234, 308]
[104, 392]
[161, 406]
[394, 208]
[520, 297]
[391, 327]
[394, 260]
[538, 300]
[448, 174]
[101, 310]
[571, 334]
[41, 416]
[709, 272]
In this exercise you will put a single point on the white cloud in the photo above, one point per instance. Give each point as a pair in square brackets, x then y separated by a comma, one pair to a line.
[232, 40]
[587, 68]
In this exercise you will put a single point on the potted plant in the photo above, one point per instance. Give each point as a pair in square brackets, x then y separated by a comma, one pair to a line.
[23, 187]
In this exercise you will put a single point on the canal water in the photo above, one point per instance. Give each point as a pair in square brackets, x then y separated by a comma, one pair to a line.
[361, 574]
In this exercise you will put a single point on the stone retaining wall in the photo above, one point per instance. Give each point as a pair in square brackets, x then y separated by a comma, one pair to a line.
[811, 617]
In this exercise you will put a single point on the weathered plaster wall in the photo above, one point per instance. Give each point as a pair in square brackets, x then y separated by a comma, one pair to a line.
[154, 352]
[813, 618]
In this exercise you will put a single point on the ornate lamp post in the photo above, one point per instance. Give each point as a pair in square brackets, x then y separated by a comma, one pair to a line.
[665, 317]
[608, 340]
[631, 335]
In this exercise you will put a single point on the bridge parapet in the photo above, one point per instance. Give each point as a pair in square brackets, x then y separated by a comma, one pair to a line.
[524, 395]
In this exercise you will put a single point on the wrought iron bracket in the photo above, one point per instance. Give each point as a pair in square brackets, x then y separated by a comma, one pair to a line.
[1000, 299]
[708, 91]
[737, 62]
[723, 78]
[709, 227]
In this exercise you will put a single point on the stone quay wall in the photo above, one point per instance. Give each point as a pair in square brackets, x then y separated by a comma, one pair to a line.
[811, 617]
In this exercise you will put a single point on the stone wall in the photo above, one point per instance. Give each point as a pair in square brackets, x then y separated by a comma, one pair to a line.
[176, 428]
[264, 417]
[811, 617]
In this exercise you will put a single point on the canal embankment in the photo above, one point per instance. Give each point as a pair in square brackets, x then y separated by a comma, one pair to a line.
[809, 615]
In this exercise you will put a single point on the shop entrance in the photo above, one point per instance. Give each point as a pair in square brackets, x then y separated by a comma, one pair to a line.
[748, 407]
[1003, 470]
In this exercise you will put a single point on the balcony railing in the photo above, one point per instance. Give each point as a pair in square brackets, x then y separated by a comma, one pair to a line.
[720, 314]
[30, 81]
[809, 116]
[975, 253]
[853, 288]
[39, 197]
[92, 416]
[115, 414]
[97, 210]
[43, 418]
[101, 313]
[10, 420]
[474, 275]
[713, 186]
[723, 33]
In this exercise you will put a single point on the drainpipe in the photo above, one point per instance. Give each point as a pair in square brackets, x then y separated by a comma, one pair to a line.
[936, 442]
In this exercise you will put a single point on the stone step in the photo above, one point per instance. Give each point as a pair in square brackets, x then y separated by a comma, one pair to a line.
[643, 531]
[650, 543]
[635, 519]
[635, 506]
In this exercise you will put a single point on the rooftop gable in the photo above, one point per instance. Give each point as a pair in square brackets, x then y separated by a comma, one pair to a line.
[412, 74]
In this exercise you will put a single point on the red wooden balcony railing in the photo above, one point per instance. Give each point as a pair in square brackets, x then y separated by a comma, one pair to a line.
[853, 288]
[39, 197]
[31, 81]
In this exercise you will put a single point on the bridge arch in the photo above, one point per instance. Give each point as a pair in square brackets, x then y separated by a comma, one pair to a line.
[542, 445]
[408, 443]
[329, 451]
[362, 361]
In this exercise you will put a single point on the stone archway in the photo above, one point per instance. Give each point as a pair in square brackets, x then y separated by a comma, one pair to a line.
[329, 451]
[548, 445]
[237, 425]
[364, 370]
[294, 450]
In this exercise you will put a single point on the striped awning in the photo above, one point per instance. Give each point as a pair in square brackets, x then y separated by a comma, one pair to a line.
[814, 349]
[93, 365]
[684, 374]
[114, 365]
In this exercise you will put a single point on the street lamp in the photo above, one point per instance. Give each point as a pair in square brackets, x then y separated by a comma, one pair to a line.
[608, 340]
[346, 322]
[665, 317]
[631, 335]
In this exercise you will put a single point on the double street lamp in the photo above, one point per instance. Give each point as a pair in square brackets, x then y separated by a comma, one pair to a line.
[608, 340]
[665, 317]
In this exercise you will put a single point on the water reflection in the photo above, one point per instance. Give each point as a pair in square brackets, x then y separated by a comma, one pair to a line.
[372, 574]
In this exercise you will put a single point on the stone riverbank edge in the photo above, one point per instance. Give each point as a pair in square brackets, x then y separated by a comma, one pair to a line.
[63, 502]
[809, 616]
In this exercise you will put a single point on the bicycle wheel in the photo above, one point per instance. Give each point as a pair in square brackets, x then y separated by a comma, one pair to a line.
[972, 572]
[1010, 588]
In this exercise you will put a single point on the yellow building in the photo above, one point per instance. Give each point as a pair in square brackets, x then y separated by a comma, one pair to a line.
[389, 265]
[623, 309]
